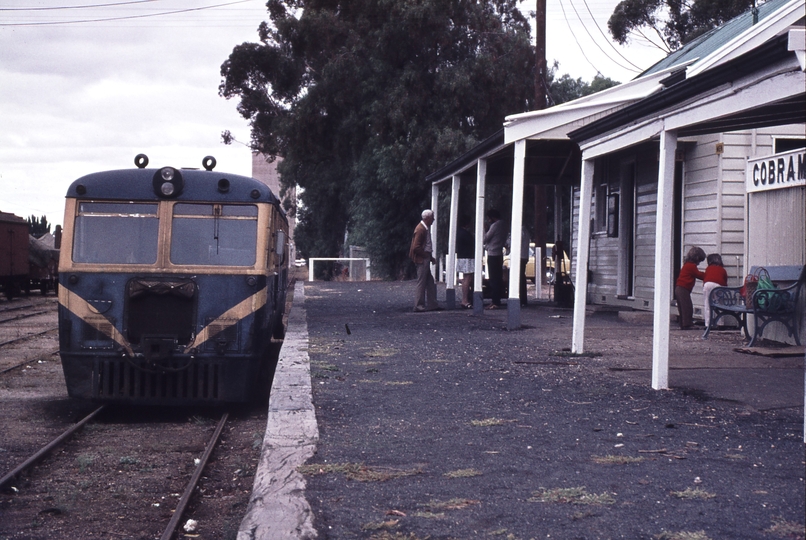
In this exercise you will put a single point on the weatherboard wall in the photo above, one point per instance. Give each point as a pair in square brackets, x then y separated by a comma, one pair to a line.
[712, 212]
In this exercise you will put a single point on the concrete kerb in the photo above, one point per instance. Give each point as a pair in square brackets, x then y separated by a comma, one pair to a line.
[277, 507]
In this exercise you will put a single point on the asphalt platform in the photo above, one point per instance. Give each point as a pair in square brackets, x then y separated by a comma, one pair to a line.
[389, 424]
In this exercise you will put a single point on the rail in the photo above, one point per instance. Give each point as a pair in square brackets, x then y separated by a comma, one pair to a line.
[183, 501]
[48, 447]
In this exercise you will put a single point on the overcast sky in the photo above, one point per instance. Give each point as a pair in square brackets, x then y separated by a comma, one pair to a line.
[80, 92]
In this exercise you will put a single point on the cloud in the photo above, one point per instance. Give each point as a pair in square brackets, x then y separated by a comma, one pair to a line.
[83, 98]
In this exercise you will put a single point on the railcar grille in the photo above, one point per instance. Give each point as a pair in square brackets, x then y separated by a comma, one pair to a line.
[123, 379]
[157, 307]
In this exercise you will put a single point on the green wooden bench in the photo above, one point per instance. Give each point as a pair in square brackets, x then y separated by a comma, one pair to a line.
[766, 305]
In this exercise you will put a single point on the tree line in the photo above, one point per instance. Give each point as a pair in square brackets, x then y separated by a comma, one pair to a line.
[364, 98]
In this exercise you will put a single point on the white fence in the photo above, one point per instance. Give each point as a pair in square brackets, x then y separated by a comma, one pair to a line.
[311, 262]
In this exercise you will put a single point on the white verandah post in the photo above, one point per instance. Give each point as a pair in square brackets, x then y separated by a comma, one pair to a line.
[481, 183]
[581, 281]
[663, 257]
[450, 291]
[434, 208]
[518, 173]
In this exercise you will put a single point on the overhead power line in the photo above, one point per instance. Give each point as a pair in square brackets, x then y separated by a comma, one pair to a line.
[608, 40]
[570, 29]
[127, 17]
[53, 8]
[585, 27]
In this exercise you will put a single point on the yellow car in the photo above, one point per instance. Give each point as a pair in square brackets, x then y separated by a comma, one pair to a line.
[549, 258]
[530, 264]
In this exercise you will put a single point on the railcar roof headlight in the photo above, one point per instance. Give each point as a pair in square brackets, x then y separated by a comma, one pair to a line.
[168, 182]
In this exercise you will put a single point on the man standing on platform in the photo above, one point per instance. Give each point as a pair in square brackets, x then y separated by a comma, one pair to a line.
[421, 252]
[494, 241]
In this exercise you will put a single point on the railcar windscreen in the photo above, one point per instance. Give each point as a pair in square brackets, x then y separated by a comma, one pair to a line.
[214, 234]
[116, 233]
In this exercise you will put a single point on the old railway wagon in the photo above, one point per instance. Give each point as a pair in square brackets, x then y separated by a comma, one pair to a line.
[172, 283]
[13, 254]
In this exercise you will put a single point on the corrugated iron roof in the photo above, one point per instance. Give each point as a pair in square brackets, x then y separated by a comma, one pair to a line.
[712, 40]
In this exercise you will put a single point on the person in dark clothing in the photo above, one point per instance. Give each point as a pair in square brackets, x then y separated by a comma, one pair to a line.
[465, 259]
[494, 241]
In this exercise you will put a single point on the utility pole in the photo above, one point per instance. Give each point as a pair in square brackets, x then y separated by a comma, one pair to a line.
[541, 92]
[541, 74]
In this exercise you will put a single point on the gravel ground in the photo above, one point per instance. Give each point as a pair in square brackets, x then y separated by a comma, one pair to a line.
[445, 425]
[121, 476]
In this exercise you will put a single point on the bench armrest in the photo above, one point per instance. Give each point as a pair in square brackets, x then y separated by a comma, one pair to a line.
[775, 300]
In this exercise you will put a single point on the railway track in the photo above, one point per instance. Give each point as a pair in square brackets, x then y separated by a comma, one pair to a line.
[15, 317]
[30, 303]
[28, 334]
[125, 473]
[55, 455]
[43, 358]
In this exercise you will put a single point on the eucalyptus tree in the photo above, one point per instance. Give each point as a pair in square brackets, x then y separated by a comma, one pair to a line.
[364, 98]
[669, 24]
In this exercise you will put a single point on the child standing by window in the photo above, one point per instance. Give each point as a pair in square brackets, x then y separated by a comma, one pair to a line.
[715, 276]
[685, 283]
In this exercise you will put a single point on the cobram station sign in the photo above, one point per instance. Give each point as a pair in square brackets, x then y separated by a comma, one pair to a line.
[777, 171]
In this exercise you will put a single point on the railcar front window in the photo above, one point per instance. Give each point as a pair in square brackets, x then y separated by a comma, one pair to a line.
[116, 233]
[214, 234]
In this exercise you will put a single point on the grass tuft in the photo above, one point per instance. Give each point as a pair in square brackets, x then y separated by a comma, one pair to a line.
[381, 353]
[429, 515]
[386, 535]
[682, 535]
[257, 440]
[786, 529]
[356, 471]
[689, 493]
[616, 460]
[451, 504]
[380, 525]
[462, 473]
[487, 422]
[84, 461]
[324, 366]
[574, 495]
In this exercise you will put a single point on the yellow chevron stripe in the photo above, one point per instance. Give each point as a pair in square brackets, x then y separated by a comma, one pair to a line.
[230, 318]
[84, 311]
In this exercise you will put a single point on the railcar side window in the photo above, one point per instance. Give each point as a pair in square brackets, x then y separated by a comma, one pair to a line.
[214, 234]
[116, 233]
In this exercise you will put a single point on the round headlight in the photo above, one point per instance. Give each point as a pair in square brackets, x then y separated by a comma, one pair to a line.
[167, 182]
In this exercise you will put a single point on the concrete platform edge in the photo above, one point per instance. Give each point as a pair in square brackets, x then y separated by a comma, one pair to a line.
[277, 507]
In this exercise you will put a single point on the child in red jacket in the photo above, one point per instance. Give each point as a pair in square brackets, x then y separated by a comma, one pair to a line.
[685, 283]
[715, 276]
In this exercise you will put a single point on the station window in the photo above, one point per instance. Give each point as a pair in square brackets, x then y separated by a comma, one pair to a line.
[788, 144]
[600, 202]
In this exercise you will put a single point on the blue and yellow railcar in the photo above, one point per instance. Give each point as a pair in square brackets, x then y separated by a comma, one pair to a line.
[172, 286]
